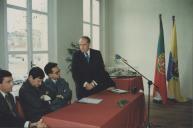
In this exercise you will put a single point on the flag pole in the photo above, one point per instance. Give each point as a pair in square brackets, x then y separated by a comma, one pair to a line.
[149, 124]
[173, 19]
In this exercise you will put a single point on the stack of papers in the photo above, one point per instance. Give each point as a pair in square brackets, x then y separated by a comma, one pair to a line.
[119, 91]
[90, 100]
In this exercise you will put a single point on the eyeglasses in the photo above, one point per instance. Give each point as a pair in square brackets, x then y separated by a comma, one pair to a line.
[57, 72]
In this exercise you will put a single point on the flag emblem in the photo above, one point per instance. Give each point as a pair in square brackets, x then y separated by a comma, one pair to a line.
[161, 64]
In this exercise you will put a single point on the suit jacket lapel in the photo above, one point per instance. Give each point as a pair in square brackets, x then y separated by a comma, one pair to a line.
[12, 102]
[91, 56]
[3, 104]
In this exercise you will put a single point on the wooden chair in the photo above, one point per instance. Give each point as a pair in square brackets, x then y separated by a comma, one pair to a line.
[19, 108]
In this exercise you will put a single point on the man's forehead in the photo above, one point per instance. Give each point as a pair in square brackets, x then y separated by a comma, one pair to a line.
[55, 68]
[83, 40]
[38, 78]
[7, 78]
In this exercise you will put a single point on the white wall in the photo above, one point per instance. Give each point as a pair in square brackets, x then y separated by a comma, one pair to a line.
[134, 29]
[69, 20]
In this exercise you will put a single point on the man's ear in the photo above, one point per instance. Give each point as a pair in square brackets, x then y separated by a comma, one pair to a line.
[0, 86]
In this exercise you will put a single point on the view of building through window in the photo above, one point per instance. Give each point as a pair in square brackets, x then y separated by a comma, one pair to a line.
[27, 32]
[27, 35]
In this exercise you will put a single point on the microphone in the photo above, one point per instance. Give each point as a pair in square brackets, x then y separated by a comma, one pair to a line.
[118, 57]
[133, 88]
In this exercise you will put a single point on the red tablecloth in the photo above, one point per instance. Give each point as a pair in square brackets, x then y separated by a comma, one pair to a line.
[106, 114]
[127, 83]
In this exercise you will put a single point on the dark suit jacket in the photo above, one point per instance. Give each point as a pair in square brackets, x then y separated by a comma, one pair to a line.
[94, 70]
[7, 119]
[34, 108]
[61, 87]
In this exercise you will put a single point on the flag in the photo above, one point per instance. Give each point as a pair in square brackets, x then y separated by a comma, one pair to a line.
[172, 72]
[160, 72]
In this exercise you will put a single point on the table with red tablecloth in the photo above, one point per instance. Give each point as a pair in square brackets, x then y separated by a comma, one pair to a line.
[107, 114]
[127, 83]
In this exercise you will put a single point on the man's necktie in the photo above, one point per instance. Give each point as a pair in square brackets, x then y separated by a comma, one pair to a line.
[87, 57]
[8, 100]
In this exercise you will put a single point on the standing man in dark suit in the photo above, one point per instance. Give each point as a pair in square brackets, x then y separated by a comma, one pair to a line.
[88, 70]
[33, 96]
[60, 92]
[8, 114]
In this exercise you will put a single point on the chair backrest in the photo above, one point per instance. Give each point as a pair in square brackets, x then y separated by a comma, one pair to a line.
[19, 108]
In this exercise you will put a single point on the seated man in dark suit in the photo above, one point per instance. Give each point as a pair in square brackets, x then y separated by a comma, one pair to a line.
[60, 92]
[88, 70]
[33, 96]
[8, 114]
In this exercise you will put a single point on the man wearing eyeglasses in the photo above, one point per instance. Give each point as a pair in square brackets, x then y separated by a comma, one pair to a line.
[59, 90]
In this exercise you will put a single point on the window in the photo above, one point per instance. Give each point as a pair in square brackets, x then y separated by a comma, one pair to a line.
[91, 21]
[27, 35]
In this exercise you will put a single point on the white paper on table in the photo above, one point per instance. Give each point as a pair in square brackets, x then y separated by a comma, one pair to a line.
[119, 91]
[90, 100]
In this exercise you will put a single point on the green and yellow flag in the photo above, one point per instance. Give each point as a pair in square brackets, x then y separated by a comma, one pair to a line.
[172, 72]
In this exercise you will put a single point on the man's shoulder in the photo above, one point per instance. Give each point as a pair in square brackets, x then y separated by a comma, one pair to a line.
[78, 52]
[25, 87]
[94, 51]
[47, 81]
[62, 80]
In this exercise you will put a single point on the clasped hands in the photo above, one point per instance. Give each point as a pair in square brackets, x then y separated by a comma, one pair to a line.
[60, 96]
[89, 86]
[45, 98]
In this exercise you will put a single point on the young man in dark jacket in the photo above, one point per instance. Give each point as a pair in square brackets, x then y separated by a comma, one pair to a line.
[34, 97]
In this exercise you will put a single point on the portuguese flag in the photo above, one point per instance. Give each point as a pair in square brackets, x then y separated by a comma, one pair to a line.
[160, 72]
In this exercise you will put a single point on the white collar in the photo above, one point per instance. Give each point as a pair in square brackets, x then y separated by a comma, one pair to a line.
[3, 93]
[88, 52]
[54, 81]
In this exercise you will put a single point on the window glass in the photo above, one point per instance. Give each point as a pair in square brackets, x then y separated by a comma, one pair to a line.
[86, 10]
[96, 12]
[86, 30]
[16, 30]
[18, 65]
[96, 37]
[40, 5]
[40, 60]
[39, 32]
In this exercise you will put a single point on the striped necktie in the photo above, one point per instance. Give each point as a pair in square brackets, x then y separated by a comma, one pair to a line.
[87, 57]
